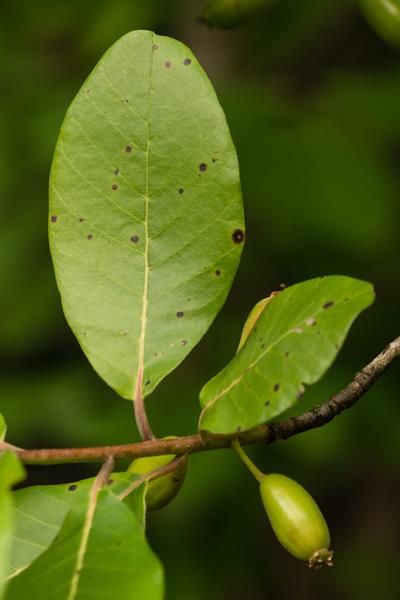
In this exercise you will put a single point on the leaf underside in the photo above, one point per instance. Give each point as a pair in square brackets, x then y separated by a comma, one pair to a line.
[146, 221]
[100, 551]
[294, 342]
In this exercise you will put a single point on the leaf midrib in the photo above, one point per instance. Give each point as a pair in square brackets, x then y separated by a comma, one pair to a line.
[143, 319]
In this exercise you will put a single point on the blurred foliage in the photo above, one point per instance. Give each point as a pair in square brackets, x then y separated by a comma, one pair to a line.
[312, 97]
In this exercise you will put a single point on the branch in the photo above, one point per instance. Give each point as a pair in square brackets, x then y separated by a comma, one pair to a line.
[318, 416]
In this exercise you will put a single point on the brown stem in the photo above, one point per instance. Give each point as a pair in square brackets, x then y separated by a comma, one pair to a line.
[318, 416]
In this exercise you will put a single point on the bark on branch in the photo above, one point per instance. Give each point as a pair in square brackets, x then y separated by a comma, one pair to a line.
[318, 416]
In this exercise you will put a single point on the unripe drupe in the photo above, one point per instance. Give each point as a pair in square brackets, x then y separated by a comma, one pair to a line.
[296, 520]
[162, 490]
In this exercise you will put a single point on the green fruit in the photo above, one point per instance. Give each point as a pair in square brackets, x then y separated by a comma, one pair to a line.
[162, 490]
[296, 520]
[227, 14]
[384, 17]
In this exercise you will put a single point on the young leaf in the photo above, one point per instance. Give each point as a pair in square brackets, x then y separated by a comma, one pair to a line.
[40, 511]
[11, 472]
[146, 222]
[295, 340]
[100, 552]
[3, 428]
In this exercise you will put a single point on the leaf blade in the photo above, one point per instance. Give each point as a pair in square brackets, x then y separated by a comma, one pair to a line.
[101, 549]
[11, 472]
[143, 208]
[296, 339]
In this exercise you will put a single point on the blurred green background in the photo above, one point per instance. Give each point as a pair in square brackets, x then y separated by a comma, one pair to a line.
[312, 96]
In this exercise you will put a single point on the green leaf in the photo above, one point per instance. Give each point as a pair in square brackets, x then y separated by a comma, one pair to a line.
[384, 18]
[146, 223]
[99, 552]
[40, 511]
[11, 472]
[3, 428]
[295, 340]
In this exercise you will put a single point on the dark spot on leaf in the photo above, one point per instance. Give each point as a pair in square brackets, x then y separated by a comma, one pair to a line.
[287, 353]
[181, 190]
[155, 354]
[187, 61]
[184, 342]
[125, 100]
[276, 387]
[214, 160]
[114, 186]
[155, 47]
[110, 481]
[203, 167]
[72, 487]
[116, 171]
[89, 236]
[262, 346]
[346, 299]
[81, 220]
[175, 479]
[218, 272]
[328, 305]
[180, 314]
[238, 236]
[311, 321]
[53, 218]
[168, 64]
[135, 239]
[128, 149]
[148, 382]
[267, 403]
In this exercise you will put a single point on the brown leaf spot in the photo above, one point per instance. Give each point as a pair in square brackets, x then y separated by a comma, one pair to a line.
[148, 382]
[328, 305]
[203, 167]
[311, 321]
[53, 218]
[286, 353]
[183, 342]
[267, 403]
[168, 64]
[72, 487]
[180, 314]
[218, 272]
[135, 239]
[276, 387]
[238, 236]
[181, 190]
[116, 171]
[114, 186]
[187, 61]
[81, 220]
[89, 236]
[155, 47]
[128, 149]
[110, 481]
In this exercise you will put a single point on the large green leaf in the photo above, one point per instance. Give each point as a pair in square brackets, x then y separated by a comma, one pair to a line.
[295, 340]
[146, 223]
[11, 472]
[100, 551]
[39, 513]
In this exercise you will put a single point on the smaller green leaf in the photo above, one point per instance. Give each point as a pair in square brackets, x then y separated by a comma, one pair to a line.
[3, 428]
[384, 18]
[100, 552]
[293, 343]
[11, 472]
[41, 509]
